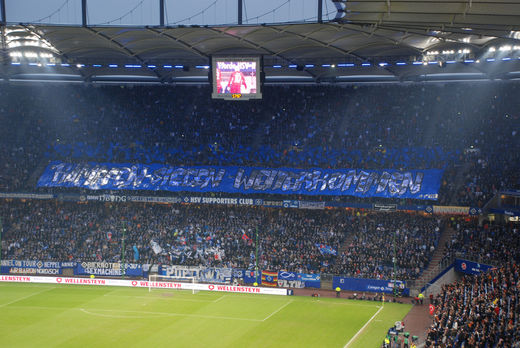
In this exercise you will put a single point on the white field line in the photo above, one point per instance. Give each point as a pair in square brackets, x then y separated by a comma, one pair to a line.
[279, 309]
[346, 304]
[363, 328]
[218, 299]
[169, 314]
[25, 297]
[140, 314]
[119, 316]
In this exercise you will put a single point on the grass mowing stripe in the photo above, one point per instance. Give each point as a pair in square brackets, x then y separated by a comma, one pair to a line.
[165, 314]
[140, 319]
[26, 297]
[161, 298]
[363, 328]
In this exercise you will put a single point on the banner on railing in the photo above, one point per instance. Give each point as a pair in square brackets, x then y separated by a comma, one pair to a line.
[144, 284]
[369, 285]
[420, 184]
[34, 267]
[470, 267]
[112, 269]
[201, 274]
[310, 280]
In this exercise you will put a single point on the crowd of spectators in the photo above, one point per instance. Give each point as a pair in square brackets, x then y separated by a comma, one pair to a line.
[479, 311]
[379, 238]
[223, 236]
[489, 243]
[373, 127]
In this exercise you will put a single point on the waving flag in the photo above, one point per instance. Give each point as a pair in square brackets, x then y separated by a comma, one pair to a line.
[326, 249]
[269, 278]
[432, 309]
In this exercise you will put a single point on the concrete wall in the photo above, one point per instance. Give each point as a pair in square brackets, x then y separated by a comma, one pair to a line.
[449, 277]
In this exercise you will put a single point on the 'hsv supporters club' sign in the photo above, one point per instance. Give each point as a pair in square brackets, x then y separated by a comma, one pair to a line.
[420, 184]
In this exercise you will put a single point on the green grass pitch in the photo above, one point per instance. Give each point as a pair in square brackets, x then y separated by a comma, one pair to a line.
[46, 315]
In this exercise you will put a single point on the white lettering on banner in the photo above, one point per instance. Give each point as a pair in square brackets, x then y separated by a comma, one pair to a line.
[144, 284]
[19, 270]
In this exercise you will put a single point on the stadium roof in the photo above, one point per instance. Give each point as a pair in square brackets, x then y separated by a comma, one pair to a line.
[382, 41]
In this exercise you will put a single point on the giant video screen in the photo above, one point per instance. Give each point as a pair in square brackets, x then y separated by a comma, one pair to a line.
[236, 78]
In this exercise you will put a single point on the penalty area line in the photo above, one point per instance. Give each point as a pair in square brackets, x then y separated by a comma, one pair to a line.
[363, 328]
[279, 309]
[26, 297]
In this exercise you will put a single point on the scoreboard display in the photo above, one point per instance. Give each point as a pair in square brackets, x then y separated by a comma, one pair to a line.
[236, 78]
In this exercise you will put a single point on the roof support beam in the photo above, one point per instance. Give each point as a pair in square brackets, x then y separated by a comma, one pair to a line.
[320, 11]
[239, 12]
[161, 13]
[84, 13]
[3, 19]
[127, 50]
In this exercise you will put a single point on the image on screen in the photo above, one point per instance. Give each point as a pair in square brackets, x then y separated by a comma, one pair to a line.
[236, 78]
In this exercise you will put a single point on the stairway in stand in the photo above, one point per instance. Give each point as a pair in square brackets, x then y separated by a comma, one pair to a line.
[434, 266]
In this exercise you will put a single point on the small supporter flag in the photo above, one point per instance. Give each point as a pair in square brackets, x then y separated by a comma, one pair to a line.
[432, 309]
[269, 278]
[326, 249]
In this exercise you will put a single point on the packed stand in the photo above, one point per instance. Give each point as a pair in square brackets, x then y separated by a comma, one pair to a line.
[177, 234]
[289, 239]
[489, 243]
[479, 311]
[373, 127]
[369, 252]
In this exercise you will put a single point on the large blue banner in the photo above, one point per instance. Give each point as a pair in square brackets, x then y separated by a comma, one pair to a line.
[369, 285]
[310, 280]
[420, 184]
[470, 267]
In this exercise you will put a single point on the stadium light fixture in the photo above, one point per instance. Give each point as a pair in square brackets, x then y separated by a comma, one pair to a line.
[133, 66]
[382, 64]
[80, 66]
[325, 65]
[490, 59]
[15, 63]
[168, 66]
[346, 65]
[417, 63]
[451, 62]
[65, 64]
[112, 65]
[506, 58]
[365, 64]
[277, 66]
[152, 66]
[293, 66]
[309, 65]
[202, 66]
[96, 65]
[400, 63]
[469, 61]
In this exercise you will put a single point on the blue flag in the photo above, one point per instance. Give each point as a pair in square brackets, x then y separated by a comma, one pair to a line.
[326, 249]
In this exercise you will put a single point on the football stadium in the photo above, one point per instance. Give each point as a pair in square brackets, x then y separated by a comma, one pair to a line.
[236, 173]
